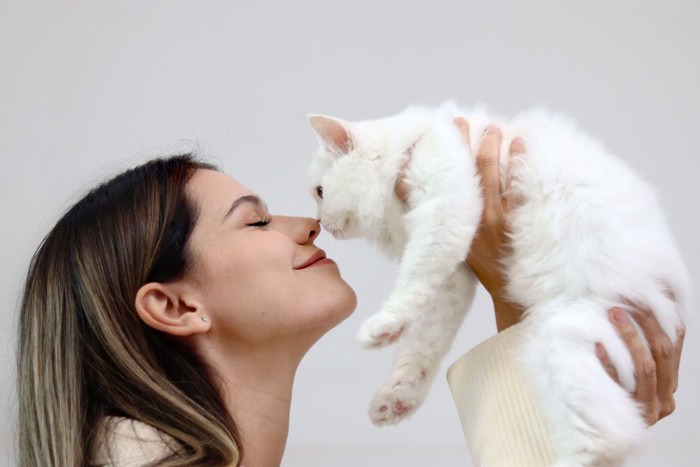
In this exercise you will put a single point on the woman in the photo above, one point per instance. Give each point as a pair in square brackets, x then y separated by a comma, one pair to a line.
[165, 315]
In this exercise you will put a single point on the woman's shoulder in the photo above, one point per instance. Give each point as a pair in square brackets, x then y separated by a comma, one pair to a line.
[126, 442]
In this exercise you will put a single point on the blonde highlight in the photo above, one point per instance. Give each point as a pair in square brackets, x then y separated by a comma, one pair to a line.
[84, 354]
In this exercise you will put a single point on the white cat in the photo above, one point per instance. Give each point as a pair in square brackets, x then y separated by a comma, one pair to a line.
[585, 233]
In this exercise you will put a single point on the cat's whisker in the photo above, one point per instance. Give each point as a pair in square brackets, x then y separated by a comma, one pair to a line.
[340, 235]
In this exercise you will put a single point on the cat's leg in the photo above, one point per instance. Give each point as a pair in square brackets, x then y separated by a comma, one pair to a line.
[422, 349]
[593, 421]
[440, 233]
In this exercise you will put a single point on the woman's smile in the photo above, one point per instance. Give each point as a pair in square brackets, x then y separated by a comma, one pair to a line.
[316, 259]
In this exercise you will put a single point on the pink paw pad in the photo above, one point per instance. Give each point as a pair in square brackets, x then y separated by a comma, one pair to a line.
[399, 408]
[391, 337]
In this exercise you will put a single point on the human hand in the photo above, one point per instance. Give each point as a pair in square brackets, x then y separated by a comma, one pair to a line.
[490, 245]
[656, 367]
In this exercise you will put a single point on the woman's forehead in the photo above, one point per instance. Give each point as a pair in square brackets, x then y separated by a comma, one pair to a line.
[214, 191]
[212, 182]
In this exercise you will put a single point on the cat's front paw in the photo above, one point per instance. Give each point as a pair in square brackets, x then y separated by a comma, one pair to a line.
[400, 396]
[380, 330]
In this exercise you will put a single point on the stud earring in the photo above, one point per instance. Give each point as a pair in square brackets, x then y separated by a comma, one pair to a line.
[205, 319]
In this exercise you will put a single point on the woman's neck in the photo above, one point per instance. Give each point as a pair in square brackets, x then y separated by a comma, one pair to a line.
[258, 391]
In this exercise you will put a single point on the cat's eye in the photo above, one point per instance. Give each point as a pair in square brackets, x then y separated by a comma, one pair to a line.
[319, 191]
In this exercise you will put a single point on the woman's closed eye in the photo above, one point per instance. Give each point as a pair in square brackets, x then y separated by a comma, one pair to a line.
[264, 222]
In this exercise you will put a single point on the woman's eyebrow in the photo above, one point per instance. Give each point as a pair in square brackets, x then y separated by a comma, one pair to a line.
[244, 199]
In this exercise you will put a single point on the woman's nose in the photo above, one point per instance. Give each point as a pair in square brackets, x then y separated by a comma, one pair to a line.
[315, 229]
[300, 229]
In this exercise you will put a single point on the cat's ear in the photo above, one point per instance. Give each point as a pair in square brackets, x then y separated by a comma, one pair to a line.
[334, 133]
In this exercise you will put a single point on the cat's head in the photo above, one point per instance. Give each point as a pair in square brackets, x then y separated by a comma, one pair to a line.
[350, 176]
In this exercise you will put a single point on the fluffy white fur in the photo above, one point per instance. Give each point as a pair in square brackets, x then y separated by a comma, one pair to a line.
[585, 233]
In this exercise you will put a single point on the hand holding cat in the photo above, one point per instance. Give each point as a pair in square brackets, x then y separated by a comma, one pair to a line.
[536, 226]
[490, 244]
[656, 369]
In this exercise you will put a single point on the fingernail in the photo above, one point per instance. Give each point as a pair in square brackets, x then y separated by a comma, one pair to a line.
[491, 129]
[600, 351]
[619, 316]
[518, 141]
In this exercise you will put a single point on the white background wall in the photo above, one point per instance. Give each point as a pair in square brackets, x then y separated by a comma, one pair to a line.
[90, 87]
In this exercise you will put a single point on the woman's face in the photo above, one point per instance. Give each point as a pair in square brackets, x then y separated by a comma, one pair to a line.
[260, 276]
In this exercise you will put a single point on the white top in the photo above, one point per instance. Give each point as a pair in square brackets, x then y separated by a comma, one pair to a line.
[123, 442]
[502, 421]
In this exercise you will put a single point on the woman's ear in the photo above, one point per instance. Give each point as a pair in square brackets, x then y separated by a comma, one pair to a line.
[164, 307]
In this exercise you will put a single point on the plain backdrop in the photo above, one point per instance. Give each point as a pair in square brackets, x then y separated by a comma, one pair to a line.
[88, 88]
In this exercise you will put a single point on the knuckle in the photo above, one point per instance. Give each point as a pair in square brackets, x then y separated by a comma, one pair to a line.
[486, 160]
[667, 407]
[680, 332]
[665, 348]
[493, 221]
[629, 333]
[647, 368]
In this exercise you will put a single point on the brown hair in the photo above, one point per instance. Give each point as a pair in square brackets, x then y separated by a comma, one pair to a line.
[84, 353]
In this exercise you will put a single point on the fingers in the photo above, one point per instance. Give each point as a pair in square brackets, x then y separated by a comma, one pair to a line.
[656, 367]
[400, 186]
[645, 367]
[665, 354]
[517, 147]
[662, 352]
[678, 348]
[604, 358]
[680, 337]
[487, 163]
[463, 126]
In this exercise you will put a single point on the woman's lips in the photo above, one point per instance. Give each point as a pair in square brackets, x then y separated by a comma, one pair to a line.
[317, 258]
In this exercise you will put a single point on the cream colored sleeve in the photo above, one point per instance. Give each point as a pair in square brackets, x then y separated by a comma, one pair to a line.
[122, 442]
[502, 422]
